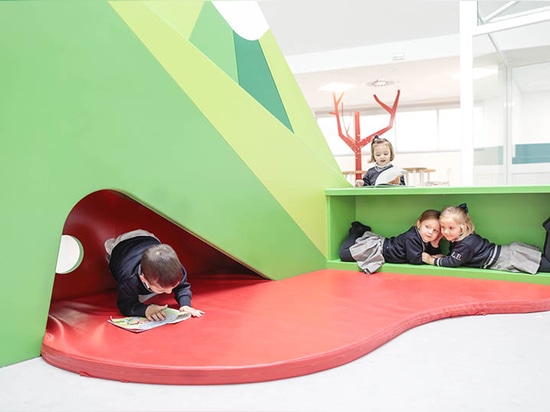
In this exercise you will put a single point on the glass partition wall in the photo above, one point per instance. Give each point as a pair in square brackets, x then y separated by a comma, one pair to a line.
[505, 93]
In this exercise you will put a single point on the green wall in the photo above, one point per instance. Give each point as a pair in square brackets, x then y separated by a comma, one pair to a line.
[156, 100]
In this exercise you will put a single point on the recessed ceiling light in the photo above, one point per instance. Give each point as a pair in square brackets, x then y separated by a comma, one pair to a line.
[336, 87]
[478, 73]
[398, 57]
[380, 83]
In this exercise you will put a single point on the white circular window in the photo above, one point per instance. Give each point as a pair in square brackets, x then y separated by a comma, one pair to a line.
[70, 254]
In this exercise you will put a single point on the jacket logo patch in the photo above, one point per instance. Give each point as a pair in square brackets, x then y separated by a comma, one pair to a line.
[456, 256]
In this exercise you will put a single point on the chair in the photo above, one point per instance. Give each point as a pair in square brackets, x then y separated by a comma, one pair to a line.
[446, 182]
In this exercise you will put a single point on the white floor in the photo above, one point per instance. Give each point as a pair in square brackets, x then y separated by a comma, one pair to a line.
[495, 363]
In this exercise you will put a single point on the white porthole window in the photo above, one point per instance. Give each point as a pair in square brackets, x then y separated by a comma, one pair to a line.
[70, 254]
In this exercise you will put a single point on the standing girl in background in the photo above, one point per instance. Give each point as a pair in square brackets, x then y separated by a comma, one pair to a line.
[371, 251]
[381, 152]
[467, 248]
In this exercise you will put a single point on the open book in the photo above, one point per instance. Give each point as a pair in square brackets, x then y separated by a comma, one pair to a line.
[390, 176]
[140, 324]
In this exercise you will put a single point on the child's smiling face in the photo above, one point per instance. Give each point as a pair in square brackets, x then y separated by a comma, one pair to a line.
[382, 154]
[450, 229]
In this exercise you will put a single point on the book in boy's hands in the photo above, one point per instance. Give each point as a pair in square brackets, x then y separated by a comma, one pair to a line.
[140, 324]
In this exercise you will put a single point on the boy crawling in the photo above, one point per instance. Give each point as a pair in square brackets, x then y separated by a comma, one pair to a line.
[144, 267]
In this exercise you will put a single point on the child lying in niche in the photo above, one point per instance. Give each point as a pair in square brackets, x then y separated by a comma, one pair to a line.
[371, 251]
[467, 248]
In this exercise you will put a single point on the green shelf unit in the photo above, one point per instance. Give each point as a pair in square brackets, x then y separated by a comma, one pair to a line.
[540, 278]
[502, 214]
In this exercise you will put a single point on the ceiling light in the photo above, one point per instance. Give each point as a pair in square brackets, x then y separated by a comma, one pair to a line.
[380, 83]
[336, 87]
[478, 73]
[398, 57]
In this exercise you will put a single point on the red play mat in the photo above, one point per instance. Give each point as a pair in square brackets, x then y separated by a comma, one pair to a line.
[258, 330]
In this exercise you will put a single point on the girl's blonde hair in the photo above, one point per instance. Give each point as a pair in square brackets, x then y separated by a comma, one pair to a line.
[379, 141]
[460, 215]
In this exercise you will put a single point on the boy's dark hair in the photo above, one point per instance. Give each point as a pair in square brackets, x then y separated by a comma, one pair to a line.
[160, 265]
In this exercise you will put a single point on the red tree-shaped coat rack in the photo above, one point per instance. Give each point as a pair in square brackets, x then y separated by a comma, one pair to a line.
[356, 143]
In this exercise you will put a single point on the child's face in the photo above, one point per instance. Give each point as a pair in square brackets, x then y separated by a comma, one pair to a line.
[450, 229]
[428, 229]
[382, 154]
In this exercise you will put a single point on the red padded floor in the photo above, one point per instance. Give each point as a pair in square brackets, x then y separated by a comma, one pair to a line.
[258, 330]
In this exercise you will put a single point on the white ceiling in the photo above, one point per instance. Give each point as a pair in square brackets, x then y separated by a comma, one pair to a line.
[357, 41]
[340, 41]
[307, 26]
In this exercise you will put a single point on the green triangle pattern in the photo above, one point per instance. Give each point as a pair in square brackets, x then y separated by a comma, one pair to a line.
[255, 77]
[241, 59]
[304, 124]
[214, 38]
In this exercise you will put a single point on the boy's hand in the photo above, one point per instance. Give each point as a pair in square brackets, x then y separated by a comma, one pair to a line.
[194, 312]
[359, 183]
[155, 312]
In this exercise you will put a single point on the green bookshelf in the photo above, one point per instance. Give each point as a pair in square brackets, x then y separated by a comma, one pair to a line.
[502, 214]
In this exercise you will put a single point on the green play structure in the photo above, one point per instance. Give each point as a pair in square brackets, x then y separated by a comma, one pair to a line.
[164, 102]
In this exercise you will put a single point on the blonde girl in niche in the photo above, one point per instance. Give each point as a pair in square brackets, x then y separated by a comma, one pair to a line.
[467, 248]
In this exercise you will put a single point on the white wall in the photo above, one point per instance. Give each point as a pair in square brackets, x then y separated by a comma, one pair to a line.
[530, 124]
[447, 165]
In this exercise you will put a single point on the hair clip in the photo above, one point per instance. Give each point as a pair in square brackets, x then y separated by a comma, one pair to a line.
[464, 207]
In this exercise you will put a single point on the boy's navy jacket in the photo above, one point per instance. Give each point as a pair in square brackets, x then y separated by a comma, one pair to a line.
[125, 265]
